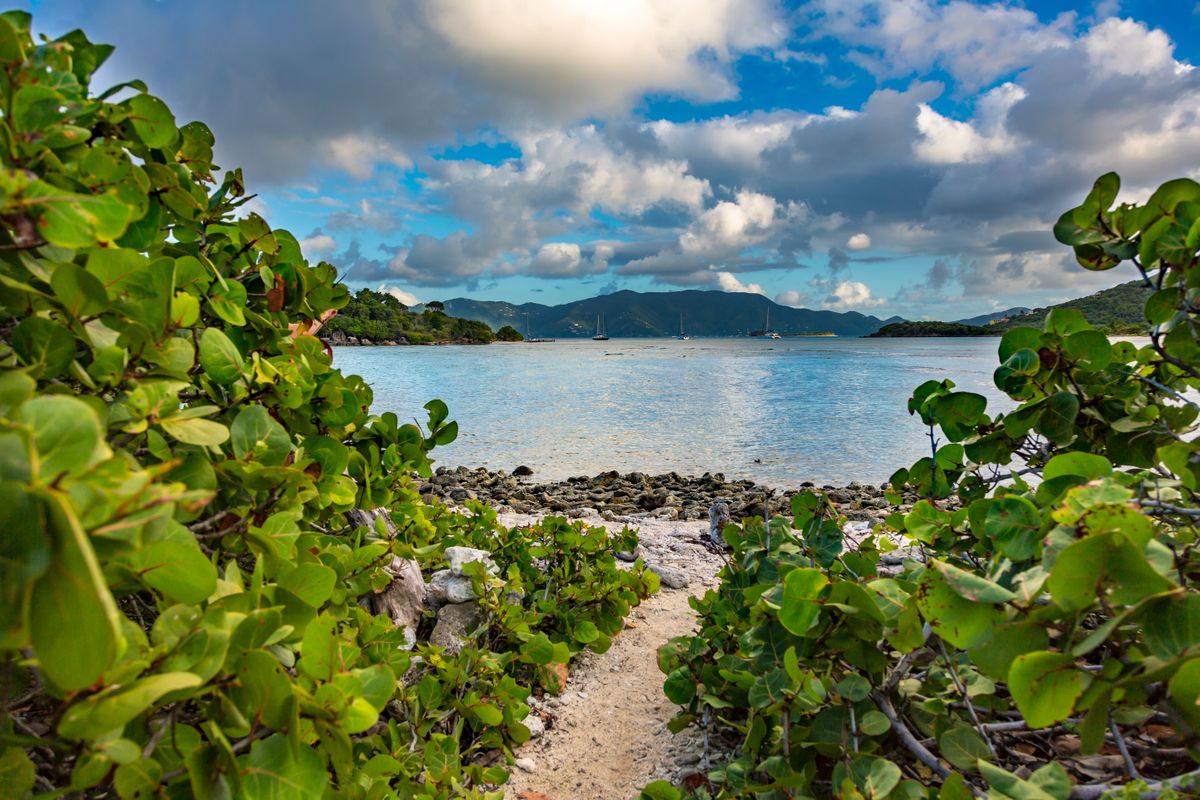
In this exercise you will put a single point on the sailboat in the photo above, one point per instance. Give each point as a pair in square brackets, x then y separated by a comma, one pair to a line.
[766, 331]
[530, 337]
[601, 335]
[683, 337]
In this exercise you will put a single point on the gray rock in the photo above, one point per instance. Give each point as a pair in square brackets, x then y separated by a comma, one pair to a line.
[458, 557]
[535, 725]
[454, 626]
[718, 518]
[445, 587]
[671, 578]
[625, 555]
[526, 764]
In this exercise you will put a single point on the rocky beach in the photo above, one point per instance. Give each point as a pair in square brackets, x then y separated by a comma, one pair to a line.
[635, 496]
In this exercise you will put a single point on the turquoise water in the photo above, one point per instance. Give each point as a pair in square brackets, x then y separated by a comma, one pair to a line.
[779, 412]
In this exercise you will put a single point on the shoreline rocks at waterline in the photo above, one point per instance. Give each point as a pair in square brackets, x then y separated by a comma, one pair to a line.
[629, 497]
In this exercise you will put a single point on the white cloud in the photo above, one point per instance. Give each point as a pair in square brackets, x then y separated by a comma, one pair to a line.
[792, 298]
[730, 225]
[948, 141]
[359, 155]
[728, 282]
[319, 244]
[859, 241]
[408, 298]
[849, 295]
[583, 56]
[975, 43]
[1125, 47]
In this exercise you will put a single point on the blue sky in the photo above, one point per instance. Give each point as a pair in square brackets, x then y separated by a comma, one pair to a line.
[903, 157]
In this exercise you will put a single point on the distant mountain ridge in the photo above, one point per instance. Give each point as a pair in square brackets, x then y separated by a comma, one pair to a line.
[645, 314]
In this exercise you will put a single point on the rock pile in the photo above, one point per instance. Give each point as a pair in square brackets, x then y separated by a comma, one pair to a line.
[633, 496]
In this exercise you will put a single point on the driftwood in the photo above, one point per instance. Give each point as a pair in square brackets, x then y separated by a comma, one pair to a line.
[402, 600]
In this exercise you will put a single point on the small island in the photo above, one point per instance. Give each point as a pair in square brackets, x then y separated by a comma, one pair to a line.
[378, 318]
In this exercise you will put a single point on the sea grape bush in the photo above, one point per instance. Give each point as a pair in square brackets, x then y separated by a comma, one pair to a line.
[1040, 635]
[179, 582]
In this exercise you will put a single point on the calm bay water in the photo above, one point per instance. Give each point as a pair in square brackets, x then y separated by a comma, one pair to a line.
[779, 412]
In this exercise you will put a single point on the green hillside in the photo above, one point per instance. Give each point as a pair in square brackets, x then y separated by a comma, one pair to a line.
[637, 314]
[377, 317]
[1120, 309]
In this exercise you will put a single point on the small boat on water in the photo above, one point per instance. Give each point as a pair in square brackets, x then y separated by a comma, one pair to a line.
[601, 334]
[533, 339]
[766, 332]
[683, 337]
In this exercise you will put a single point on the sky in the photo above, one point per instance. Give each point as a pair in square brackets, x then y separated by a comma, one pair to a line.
[903, 157]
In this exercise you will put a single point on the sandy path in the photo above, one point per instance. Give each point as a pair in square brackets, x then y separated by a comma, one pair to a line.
[607, 735]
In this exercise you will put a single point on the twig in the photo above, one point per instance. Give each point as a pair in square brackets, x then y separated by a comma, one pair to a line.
[1152, 790]
[1130, 767]
[962, 690]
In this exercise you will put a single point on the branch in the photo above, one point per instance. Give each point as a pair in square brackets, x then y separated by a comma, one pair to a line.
[1152, 790]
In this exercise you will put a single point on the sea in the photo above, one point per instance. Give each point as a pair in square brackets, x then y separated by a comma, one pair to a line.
[779, 412]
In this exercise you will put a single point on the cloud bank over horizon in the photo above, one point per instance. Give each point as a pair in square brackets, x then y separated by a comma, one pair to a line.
[904, 157]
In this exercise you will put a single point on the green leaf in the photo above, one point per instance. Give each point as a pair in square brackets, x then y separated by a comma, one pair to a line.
[276, 769]
[1045, 686]
[874, 723]
[875, 777]
[312, 583]
[176, 568]
[1172, 625]
[17, 773]
[1014, 524]
[659, 790]
[191, 430]
[961, 622]
[1065, 321]
[73, 589]
[1090, 349]
[963, 747]
[1008, 785]
[539, 649]
[1057, 420]
[958, 413]
[229, 302]
[1082, 465]
[995, 658]
[971, 586]
[257, 437]
[219, 357]
[111, 709]
[45, 346]
[1184, 692]
[138, 779]
[680, 686]
[80, 292]
[152, 120]
[585, 632]
[798, 607]
[67, 435]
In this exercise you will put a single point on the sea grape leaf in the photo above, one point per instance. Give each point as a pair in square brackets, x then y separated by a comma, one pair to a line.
[73, 589]
[277, 770]
[1045, 686]
[110, 710]
[798, 608]
[961, 622]
[219, 357]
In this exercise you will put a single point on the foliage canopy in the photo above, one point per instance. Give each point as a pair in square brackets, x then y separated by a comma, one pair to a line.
[183, 593]
[1038, 605]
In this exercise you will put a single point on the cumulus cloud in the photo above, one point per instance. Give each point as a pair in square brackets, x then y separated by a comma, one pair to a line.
[408, 298]
[318, 245]
[859, 241]
[792, 298]
[851, 295]
[364, 84]
[728, 282]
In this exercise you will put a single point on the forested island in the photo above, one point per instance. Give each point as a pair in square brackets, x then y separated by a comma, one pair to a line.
[372, 317]
[930, 329]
